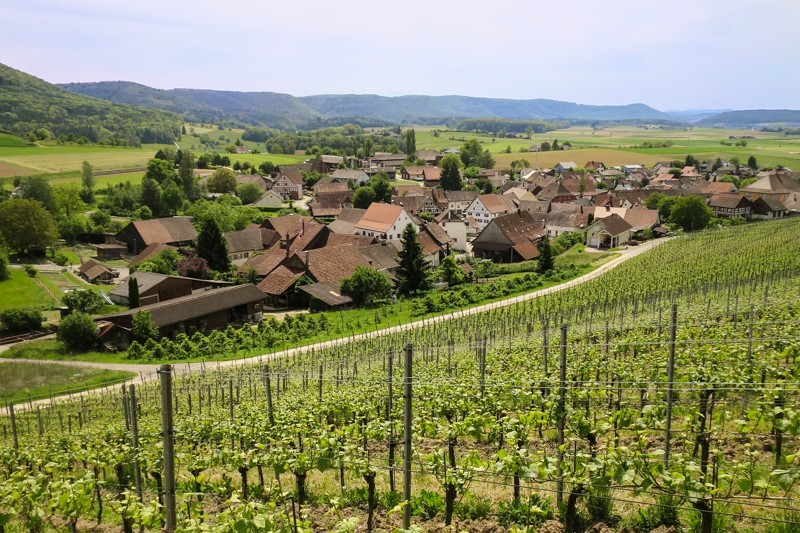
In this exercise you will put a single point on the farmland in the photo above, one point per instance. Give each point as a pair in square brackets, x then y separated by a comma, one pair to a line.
[567, 407]
[20, 381]
[619, 145]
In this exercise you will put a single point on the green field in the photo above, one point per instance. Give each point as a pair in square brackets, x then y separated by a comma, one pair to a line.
[20, 381]
[619, 145]
[20, 291]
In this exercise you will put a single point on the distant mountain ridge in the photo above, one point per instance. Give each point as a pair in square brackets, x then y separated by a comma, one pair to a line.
[285, 111]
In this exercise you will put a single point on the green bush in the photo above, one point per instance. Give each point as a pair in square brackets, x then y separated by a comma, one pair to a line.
[21, 320]
[78, 331]
[30, 270]
[60, 259]
[4, 272]
[427, 505]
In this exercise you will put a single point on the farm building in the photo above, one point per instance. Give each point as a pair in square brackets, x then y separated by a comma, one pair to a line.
[203, 311]
[608, 232]
[510, 238]
[154, 288]
[175, 231]
[96, 272]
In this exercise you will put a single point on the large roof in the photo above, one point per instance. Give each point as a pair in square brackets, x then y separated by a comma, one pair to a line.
[347, 220]
[328, 292]
[614, 224]
[332, 263]
[165, 230]
[774, 183]
[495, 203]
[347, 174]
[147, 280]
[291, 224]
[379, 217]
[150, 251]
[196, 305]
[264, 263]
[279, 280]
[245, 240]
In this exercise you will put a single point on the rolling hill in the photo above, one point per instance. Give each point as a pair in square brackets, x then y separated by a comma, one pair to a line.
[753, 117]
[28, 104]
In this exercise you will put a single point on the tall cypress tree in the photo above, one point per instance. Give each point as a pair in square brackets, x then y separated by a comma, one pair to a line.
[211, 246]
[412, 273]
[133, 293]
[546, 258]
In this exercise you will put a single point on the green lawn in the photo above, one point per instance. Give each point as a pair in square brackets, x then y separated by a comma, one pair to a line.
[21, 381]
[21, 291]
[68, 158]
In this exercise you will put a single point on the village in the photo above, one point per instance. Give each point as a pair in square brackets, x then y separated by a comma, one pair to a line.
[298, 261]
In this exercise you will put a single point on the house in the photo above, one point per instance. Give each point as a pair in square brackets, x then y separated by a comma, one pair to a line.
[767, 208]
[109, 252]
[243, 244]
[596, 166]
[175, 231]
[289, 184]
[417, 204]
[346, 222]
[382, 256]
[566, 218]
[561, 166]
[330, 204]
[456, 228]
[150, 252]
[384, 221]
[435, 243]
[350, 175]
[555, 193]
[729, 205]
[201, 311]
[641, 218]
[413, 173]
[258, 180]
[96, 272]
[384, 159]
[430, 157]
[509, 238]
[458, 201]
[777, 185]
[269, 199]
[327, 184]
[291, 225]
[154, 288]
[329, 264]
[431, 176]
[608, 232]
[486, 207]
[324, 164]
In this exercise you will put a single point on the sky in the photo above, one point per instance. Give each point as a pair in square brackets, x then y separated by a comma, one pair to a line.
[669, 54]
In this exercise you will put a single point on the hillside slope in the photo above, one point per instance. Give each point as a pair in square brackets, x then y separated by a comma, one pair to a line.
[28, 103]
[753, 117]
[198, 105]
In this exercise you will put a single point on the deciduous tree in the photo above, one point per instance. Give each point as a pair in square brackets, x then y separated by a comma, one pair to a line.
[161, 170]
[691, 213]
[366, 285]
[39, 189]
[142, 327]
[223, 180]
[363, 197]
[87, 175]
[451, 273]
[26, 225]
[83, 301]
[78, 331]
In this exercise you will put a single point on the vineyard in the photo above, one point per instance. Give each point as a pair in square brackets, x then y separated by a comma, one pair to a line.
[662, 394]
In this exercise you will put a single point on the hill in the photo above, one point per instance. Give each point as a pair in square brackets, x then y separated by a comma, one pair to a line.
[285, 111]
[413, 108]
[276, 110]
[753, 117]
[28, 104]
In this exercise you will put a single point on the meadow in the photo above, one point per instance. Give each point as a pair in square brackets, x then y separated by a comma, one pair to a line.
[621, 144]
[20, 381]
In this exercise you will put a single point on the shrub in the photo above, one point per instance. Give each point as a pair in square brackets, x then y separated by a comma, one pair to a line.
[60, 258]
[21, 320]
[4, 272]
[83, 301]
[534, 512]
[427, 505]
[78, 331]
[30, 270]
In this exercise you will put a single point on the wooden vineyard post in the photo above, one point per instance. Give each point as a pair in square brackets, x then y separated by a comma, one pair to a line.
[269, 396]
[13, 425]
[407, 437]
[137, 468]
[562, 393]
[389, 421]
[168, 443]
[673, 330]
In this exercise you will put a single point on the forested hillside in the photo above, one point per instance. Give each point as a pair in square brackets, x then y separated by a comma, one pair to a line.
[29, 105]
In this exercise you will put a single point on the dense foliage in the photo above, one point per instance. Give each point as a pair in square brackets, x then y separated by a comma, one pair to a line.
[29, 105]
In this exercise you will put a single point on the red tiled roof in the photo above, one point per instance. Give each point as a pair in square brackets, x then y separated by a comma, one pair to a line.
[165, 230]
[379, 217]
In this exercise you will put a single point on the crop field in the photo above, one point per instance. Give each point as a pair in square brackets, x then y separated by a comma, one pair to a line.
[619, 145]
[19, 381]
[53, 159]
[21, 291]
[648, 397]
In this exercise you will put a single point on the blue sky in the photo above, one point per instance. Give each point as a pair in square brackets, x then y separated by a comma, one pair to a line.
[670, 54]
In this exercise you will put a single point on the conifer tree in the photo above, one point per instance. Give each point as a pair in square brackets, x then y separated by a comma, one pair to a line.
[412, 273]
[211, 246]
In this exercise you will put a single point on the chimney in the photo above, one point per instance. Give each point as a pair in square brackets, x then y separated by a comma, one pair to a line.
[307, 261]
[302, 226]
[287, 245]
